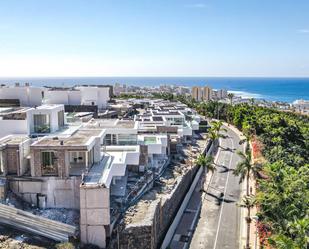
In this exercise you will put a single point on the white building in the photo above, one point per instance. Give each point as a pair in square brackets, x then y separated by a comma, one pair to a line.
[94, 96]
[40, 120]
[26, 95]
[46, 119]
[82, 95]
[62, 96]
[301, 106]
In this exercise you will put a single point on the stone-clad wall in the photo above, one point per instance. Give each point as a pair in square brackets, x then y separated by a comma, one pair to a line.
[171, 204]
[36, 163]
[12, 157]
[149, 235]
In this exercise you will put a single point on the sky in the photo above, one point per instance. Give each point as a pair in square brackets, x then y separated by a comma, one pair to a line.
[57, 38]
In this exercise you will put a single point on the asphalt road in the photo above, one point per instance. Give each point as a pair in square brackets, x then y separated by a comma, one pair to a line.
[219, 221]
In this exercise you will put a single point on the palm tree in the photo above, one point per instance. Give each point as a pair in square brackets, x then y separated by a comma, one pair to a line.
[214, 132]
[252, 100]
[248, 202]
[246, 167]
[230, 97]
[206, 162]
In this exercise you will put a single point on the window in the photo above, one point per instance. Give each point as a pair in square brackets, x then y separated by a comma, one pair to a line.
[77, 157]
[107, 139]
[127, 139]
[48, 163]
[1, 164]
[41, 123]
[60, 119]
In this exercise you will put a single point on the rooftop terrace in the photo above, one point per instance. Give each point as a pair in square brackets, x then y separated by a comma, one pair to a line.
[79, 138]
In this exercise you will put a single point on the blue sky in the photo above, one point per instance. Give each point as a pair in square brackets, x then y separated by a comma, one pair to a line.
[154, 38]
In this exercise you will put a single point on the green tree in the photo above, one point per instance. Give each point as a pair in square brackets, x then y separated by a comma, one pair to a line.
[245, 168]
[231, 97]
[207, 162]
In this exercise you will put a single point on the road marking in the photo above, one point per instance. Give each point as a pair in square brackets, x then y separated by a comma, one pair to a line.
[225, 188]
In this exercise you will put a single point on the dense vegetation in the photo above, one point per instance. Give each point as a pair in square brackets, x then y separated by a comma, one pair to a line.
[283, 197]
[283, 192]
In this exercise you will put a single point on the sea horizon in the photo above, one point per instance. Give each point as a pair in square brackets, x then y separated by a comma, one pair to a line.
[286, 89]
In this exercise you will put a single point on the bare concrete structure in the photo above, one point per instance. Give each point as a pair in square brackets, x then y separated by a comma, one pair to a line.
[56, 167]
[94, 212]
[14, 150]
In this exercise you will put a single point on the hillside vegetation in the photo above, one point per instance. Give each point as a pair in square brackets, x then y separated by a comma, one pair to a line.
[283, 192]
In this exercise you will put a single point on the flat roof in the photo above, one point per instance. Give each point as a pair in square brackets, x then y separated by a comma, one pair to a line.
[110, 123]
[14, 110]
[47, 106]
[79, 138]
[14, 139]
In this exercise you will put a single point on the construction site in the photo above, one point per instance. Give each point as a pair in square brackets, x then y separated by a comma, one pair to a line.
[145, 223]
[97, 181]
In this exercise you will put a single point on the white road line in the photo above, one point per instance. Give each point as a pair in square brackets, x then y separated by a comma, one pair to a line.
[225, 188]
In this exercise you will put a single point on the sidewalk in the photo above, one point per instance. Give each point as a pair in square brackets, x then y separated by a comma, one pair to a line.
[254, 240]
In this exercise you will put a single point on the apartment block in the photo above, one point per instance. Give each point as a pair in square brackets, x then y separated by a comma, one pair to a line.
[197, 93]
[202, 93]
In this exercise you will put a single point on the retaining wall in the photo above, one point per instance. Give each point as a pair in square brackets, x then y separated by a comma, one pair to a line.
[149, 234]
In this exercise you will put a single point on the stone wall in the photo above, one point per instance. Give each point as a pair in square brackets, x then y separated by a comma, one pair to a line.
[36, 162]
[12, 159]
[167, 129]
[150, 232]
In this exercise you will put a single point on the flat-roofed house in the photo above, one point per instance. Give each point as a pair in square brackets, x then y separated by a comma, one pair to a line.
[56, 168]
[39, 120]
[26, 95]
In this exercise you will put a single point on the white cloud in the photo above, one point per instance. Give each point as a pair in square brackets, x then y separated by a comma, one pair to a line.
[303, 31]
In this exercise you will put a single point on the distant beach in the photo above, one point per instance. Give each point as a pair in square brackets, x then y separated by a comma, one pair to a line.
[273, 89]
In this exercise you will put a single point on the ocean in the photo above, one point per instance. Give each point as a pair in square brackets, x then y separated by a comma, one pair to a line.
[273, 89]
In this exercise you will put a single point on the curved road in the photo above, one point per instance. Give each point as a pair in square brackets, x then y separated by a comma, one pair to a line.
[218, 225]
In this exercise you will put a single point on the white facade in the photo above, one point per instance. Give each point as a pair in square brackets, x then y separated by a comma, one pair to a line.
[27, 95]
[119, 158]
[65, 97]
[8, 127]
[53, 113]
[94, 96]
[79, 96]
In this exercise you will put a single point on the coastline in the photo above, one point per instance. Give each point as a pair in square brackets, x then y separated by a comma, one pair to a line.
[271, 88]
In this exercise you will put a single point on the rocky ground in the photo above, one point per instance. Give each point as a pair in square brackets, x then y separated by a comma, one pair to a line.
[13, 239]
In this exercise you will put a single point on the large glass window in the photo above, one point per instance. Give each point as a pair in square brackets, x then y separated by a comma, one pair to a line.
[107, 139]
[127, 139]
[41, 123]
[49, 166]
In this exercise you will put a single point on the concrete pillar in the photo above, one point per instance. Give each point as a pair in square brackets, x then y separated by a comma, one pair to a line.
[97, 150]
[86, 159]
[94, 214]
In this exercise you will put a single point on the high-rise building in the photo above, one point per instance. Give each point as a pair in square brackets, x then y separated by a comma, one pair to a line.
[207, 93]
[197, 93]
[220, 94]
